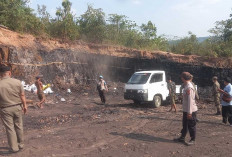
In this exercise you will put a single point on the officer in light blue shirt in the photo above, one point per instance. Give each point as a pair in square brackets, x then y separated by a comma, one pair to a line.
[227, 103]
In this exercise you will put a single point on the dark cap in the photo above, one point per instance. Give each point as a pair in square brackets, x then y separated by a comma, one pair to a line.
[4, 68]
[186, 75]
[39, 76]
[169, 78]
[227, 79]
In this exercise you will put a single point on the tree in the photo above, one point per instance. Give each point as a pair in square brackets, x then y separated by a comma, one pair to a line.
[44, 17]
[16, 15]
[118, 21]
[188, 45]
[221, 39]
[149, 30]
[64, 25]
[218, 31]
[115, 27]
[92, 25]
[228, 29]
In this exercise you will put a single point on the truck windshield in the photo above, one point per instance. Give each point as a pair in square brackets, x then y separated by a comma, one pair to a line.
[139, 78]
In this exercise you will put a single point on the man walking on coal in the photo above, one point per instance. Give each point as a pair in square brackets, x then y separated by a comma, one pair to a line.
[227, 102]
[189, 110]
[216, 94]
[39, 86]
[12, 103]
[172, 93]
[102, 88]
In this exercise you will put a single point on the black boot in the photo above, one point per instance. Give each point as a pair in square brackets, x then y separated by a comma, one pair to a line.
[191, 142]
[179, 139]
[218, 113]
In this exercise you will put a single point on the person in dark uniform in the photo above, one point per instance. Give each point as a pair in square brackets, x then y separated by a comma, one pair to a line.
[216, 94]
[172, 93]
[189, 110]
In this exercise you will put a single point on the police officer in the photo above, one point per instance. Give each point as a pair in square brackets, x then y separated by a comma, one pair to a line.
[172, 93]
[216, 94]
[196, 92]
[12, 103]
[189, 110]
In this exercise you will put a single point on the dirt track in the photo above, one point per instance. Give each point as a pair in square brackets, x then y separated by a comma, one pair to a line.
[83, 127]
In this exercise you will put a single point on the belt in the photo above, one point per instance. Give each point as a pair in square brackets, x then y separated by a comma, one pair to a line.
[10, 106]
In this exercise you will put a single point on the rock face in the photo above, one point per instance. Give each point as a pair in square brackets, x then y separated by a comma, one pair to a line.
[65, 66]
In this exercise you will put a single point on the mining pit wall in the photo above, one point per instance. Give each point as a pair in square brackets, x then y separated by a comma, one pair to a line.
[64, 66]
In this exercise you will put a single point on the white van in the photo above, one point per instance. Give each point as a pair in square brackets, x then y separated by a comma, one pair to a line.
[147, 86]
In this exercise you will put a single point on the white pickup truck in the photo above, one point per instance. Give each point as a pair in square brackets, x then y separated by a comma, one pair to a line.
[147, 86]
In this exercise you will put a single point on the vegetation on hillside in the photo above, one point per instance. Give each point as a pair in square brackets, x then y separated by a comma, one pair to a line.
[97, 27]
[217, 45]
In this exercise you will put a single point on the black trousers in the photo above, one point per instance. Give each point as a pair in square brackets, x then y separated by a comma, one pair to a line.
[227, 114]
[102, 95]
[189, 125]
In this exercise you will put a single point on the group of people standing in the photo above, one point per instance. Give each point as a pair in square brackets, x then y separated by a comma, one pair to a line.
[189, 94]
[223, 99]
[13, 104]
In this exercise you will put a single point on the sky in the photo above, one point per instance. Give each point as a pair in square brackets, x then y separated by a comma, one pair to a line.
[173, 18]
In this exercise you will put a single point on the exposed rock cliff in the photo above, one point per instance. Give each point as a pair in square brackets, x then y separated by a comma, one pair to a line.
[80, 63]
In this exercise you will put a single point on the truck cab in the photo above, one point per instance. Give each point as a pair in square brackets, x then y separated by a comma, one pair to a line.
[147, 86]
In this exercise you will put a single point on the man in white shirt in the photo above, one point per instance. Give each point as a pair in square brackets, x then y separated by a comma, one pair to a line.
[227, 102]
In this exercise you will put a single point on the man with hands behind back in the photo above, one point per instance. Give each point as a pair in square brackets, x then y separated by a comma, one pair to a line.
[12, 104]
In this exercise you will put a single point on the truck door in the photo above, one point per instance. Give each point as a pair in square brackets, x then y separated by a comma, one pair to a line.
[157, 85]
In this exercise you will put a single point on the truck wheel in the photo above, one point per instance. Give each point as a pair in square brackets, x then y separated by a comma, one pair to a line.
[157, 100]
[136, 102]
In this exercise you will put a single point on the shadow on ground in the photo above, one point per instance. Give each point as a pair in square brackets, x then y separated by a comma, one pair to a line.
[179, 120]
[4, 151]
[142, 137]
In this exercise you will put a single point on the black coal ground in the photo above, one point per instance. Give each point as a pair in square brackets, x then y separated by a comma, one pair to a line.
[82, 126]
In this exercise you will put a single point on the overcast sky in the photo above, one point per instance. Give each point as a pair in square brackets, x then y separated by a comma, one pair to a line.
[171, 17]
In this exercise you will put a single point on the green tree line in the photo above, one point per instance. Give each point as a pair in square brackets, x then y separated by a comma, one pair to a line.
[92, 26]
[219, 44]
[97, 27]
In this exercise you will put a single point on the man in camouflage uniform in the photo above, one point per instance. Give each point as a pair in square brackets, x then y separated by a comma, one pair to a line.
[172, 93]
[216, 95]
[194, 86]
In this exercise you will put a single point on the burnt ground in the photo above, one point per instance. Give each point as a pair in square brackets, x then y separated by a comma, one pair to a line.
[82, 126]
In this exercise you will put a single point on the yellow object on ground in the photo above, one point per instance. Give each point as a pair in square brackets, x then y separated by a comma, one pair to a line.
[46, 86]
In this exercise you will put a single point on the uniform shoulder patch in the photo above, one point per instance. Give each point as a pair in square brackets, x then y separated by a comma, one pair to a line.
[188, 91]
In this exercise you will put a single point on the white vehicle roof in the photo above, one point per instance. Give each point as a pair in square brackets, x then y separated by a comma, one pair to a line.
[151, 71]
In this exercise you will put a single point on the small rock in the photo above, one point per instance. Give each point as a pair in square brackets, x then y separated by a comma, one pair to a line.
[62, 100]
[125, 144]
[85, 94]
[38, 136]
